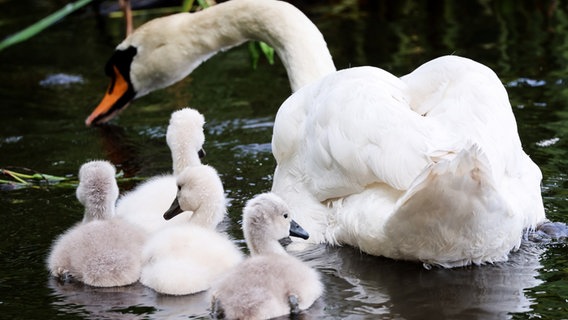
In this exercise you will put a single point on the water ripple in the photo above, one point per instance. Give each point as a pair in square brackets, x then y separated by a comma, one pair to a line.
[526, 82]
[547, 142]
[61, 79]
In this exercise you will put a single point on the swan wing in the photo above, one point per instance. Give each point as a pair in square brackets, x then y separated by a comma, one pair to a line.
[357, 129]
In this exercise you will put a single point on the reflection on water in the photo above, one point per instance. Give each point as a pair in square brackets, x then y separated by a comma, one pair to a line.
[119, 149]
[129, 302]
[45, 98]
[61, 79]
[357, 285]
[378, 286]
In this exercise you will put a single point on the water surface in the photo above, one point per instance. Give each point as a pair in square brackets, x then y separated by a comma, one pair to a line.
[49, 84]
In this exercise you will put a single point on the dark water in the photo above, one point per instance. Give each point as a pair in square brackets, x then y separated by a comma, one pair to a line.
[49, 84]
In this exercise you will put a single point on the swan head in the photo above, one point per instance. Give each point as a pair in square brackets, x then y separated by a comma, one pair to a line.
[97, 189]
[266, 220]
[153, 57]
[200, 191]
[120, 90]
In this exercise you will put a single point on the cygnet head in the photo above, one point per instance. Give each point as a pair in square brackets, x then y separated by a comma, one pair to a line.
[200, 190]
[185, 138]
[266, 220]
[97, 190]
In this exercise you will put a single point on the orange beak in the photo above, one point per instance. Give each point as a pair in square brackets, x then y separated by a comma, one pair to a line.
[117, 97]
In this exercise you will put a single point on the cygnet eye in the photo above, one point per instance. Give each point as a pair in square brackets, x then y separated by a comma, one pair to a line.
[285, 216]
[179, 188]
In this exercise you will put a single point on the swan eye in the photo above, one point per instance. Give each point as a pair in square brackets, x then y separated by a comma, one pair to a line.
[179, 188]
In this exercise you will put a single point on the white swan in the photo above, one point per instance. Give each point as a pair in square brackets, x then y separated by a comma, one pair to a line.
[146, 204]
[101, 251]
[359, 149]
[270, 283]
[187, 258]
[427, 167]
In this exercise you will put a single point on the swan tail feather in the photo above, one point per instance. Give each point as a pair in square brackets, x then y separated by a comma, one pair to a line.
[453, 215]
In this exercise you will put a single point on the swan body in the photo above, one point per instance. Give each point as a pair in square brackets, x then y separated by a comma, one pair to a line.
[186, 258]
[270, 283]
[101, 251]
[146, 204]
[374, 161]
[353, 147]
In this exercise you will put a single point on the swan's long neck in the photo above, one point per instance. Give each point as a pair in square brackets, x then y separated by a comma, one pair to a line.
[185, 138]
[259, 246]
[99, 209]
[209, 214]
[259, 240]
[183, 157]
[296, 40]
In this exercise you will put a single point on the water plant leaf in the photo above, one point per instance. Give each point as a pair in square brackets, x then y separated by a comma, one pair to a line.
[31, 177]
[42, 24]
[203, 4]
[268, 51]
[186, 5]
[27, 178]
[254, 52]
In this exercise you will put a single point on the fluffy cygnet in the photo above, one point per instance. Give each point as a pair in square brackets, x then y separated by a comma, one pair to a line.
[271, 282]
[145, 204]
[101, 250]
[185, 259]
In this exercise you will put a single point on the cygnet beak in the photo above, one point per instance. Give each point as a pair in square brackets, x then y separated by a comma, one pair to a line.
[173, 211]
[297, 231]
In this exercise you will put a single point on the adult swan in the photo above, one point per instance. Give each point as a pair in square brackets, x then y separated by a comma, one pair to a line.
[428, 167]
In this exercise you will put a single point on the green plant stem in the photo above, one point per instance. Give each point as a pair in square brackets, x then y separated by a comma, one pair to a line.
[37, 179]
[203, 4]
[36, 176]
[42, 24]
[14, 175]
[186, 5]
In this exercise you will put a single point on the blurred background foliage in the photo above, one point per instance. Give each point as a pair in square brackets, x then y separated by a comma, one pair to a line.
[421, 25]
